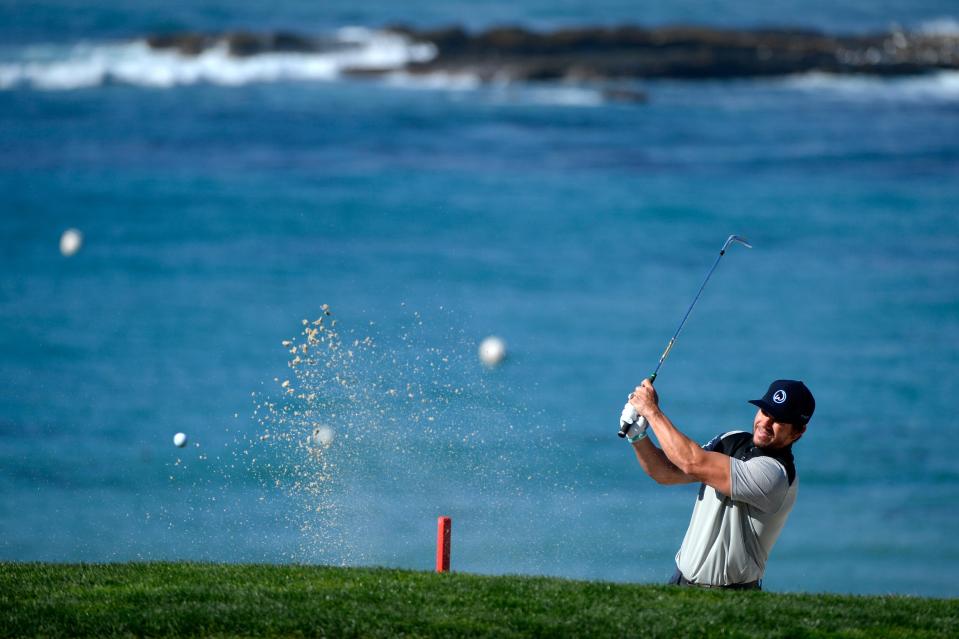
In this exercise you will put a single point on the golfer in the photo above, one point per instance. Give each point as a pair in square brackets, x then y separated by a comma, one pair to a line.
[748, 482]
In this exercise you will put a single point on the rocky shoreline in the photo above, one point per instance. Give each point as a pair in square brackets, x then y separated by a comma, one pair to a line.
[626, 52]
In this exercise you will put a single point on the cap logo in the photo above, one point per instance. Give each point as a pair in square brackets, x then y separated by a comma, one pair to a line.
[779, 396]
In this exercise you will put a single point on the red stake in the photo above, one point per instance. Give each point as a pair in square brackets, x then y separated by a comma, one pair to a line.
[443, 534]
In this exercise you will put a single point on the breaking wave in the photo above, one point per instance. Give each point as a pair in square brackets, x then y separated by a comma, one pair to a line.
[136, 63]
[84, 65]
[942, 86]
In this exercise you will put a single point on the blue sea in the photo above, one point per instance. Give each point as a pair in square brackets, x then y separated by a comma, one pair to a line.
[224, 202]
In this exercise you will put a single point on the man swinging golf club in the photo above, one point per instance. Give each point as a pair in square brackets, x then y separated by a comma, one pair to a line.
[748, 482]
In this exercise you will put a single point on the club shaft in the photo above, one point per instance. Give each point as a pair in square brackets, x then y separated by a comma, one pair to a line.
[672, 340]
[689, 310]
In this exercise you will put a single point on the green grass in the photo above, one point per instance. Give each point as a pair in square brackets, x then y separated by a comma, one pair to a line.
[185, 599]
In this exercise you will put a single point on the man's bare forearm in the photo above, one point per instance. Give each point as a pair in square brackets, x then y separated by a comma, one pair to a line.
[657, 465]
[680, 451]
[689, 459]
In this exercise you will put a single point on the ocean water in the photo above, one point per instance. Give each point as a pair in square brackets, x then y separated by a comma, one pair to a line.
[224, 202]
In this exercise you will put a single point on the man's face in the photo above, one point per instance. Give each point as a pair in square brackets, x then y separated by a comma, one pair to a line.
[768, 433]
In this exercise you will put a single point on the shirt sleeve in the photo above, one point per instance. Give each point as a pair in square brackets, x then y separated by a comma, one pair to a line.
[760, 482]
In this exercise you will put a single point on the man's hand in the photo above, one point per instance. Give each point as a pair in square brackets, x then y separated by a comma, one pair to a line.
[636, 427]
[644, 399]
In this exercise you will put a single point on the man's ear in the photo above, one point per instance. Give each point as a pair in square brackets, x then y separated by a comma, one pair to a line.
[798, 432]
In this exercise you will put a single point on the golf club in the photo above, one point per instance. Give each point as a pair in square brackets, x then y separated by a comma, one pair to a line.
[624, 427]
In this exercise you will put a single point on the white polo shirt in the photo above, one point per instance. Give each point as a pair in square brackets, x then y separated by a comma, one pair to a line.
[730, 536]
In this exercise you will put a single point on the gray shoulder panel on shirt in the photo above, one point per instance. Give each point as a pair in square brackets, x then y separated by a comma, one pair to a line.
[761, 482]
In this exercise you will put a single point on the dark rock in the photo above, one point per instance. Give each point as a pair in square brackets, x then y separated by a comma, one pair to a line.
[678, 52]
[242, 44]
[599, 54]
[185, 43]
[245, 44]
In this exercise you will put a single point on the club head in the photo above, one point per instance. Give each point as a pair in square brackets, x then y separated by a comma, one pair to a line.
[736, 238]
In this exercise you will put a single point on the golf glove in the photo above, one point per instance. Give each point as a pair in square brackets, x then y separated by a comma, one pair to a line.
[638, 425]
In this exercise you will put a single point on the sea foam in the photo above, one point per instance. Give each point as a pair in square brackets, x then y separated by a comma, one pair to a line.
[940, 86]
[135, 63]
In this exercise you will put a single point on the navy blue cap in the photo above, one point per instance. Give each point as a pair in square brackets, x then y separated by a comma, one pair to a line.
[788, 401]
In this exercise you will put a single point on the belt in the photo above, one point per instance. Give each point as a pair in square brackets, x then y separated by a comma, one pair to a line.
[679, 580]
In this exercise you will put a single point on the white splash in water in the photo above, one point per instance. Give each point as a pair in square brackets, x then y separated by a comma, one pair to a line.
[83, 65]
[943, 85]
[418, 426]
